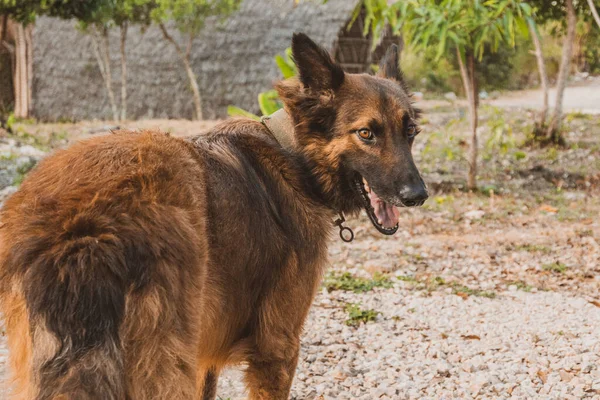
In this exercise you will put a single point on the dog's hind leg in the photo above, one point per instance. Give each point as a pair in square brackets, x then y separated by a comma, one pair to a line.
[161, 348]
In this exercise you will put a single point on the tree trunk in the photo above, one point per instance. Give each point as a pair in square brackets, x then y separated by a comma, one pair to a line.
[102, 53]
[123, 72]
[554, 129]
[22, 71]
[5, 33]
[3, 27]
[594, 12]
[184, 56]
[29, 41]
[539, 55]
[467, 73]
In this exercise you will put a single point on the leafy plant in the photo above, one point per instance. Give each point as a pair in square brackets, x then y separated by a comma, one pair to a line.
[25, 11]
[501, 138]
[356, 315]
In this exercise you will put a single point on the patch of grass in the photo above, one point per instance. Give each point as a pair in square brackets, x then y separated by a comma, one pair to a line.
[585, 233]
[456, 289]
[568, 215]
[22, 171]
[356, 315]
[488, 189]
[408, 278]
[57, 137]
[551, 154]
[350, 283]
[519, 155]
[555, 267]
[533, 248]
[32, 140]
[521, 286]
[436, 282]
[8, 157]
[577, 115]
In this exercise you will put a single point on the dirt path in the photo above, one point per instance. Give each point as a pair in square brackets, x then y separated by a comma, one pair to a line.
[584, 98]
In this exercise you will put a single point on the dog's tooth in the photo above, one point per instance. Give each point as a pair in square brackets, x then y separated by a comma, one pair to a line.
[379, 222]
[367, 187]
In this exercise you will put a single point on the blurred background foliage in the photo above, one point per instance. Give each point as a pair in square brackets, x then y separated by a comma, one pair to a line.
[508, 68]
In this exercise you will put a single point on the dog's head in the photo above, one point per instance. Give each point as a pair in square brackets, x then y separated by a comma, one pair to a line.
[356, 132]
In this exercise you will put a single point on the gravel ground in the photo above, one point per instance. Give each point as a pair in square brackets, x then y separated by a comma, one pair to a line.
[519, 345]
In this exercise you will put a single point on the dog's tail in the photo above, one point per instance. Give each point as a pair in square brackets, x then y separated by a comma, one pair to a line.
[75, 287]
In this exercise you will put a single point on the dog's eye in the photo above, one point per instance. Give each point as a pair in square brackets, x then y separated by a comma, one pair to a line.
[413, 131]
[365, 134]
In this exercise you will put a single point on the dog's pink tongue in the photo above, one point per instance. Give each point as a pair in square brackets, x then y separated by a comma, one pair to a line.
[387, 214]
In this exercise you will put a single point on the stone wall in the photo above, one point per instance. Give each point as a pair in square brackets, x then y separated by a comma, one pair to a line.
[233, 62]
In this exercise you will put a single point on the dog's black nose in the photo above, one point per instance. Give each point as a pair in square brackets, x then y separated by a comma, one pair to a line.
[414, 196]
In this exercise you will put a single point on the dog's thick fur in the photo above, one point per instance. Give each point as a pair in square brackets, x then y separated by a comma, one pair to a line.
[137, 265]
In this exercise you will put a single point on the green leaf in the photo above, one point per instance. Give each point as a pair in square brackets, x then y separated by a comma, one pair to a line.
[269, 102]
[454, 37]
[526, 8]
[522, 27]
[286, 70]
[234, 111]
[442, 44]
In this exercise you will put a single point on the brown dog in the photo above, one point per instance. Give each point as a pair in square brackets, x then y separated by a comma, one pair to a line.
[136, 265]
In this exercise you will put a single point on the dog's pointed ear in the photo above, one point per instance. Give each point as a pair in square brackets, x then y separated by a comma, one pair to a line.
[388, 67]
[316, 68]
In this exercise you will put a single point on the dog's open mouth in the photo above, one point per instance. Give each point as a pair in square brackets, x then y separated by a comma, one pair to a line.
[384, 216]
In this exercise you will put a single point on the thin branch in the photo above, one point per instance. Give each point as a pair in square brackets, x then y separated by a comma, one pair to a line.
[96, 47]
[124, 27]
[464, 74]
[594, 12]
[173, 41]
[188, 50]
[541, 69]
